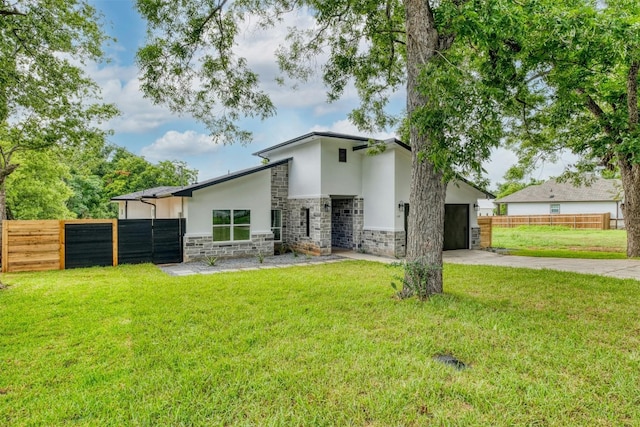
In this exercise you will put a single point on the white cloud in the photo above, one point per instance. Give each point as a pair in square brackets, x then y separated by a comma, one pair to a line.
[120, 86]
[259, 46]
[348, 128]
[502, 159]
[178, 145]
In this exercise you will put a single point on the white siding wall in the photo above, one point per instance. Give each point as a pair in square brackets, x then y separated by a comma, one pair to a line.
[565, 208]
[304, 170]
[340, 179]
[403, 184]
[134, 210]
[169, 207]
[378, 191]
[248, 192]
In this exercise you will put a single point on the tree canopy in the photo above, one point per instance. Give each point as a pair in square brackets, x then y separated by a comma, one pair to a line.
[46, 100]
[581, 60]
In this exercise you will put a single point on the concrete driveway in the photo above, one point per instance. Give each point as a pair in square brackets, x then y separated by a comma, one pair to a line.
[619, 268]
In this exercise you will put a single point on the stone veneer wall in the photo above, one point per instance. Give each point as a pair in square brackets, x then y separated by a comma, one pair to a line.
[280, 195]
[475, 237]
[358, 222]
[319, 240]
[342, 223]
[198, 247]
[385, 243]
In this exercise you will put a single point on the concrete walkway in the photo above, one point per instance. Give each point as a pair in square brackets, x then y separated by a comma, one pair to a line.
[619, 268]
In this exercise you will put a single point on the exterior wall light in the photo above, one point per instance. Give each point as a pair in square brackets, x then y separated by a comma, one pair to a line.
[401, 206]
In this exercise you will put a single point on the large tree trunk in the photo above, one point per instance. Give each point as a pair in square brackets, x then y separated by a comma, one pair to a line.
[427, 197]
[630, 171]
[630, 174]
[4, 173]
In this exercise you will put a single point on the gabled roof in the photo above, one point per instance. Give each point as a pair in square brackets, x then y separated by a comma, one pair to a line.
[311, 135]
[188, 191]
[149, 193]
[600, 190]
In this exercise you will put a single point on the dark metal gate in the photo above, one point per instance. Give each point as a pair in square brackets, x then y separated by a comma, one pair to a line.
[88, 245]
[150, 240]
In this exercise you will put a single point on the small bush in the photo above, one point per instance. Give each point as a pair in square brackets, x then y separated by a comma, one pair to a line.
[260, 257]
[211, 260]
[416, 278]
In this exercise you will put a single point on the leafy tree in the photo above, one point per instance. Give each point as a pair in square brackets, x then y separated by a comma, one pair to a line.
[88, 199]
[582, 60]
[37, 190]
[44, 94]
[448, 54]
[128, 173]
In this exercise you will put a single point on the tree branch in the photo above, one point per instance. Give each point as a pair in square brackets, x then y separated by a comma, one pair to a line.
[13, 12]
[209, 17]
[597, 112]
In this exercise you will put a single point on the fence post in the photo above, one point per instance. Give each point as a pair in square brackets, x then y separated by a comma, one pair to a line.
[62, 250]
[5, 246]
[486, 225]
[114, 240]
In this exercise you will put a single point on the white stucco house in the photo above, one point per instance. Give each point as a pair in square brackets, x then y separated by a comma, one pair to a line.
[552, 197]
[313, 193]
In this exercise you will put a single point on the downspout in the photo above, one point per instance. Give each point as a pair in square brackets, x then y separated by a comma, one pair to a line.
[149, 203]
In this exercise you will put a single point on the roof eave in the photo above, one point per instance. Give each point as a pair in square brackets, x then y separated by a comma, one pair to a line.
[188, 192]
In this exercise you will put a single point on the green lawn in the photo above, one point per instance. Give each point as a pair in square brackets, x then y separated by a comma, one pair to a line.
[318, 345]
[561, 242]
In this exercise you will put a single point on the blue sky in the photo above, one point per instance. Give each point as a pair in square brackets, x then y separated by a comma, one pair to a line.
[157, 134]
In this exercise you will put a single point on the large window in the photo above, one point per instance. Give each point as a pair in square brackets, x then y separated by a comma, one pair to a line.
[276, 225]
[229, 225]
[555, 208]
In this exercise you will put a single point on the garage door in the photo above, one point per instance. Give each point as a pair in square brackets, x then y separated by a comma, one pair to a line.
[456, 227]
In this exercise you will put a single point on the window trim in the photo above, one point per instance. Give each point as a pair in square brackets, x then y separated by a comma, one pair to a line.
[551, 210]
[232, 225]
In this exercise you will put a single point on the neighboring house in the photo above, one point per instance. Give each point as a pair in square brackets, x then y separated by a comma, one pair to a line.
[485, 207]
[313, 193]
[552, 197]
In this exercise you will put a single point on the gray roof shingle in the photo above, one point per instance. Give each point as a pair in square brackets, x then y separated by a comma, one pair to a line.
[552, 191]
[149, 193]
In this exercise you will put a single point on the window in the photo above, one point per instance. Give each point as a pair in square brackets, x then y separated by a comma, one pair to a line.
[307, 217]
[342, 155]
[276, 225]
[231, 225]
[555, 208]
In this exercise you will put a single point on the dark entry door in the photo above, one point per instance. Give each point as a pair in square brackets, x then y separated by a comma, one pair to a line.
[456, 227]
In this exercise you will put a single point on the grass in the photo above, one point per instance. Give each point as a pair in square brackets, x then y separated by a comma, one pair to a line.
[562, 242]
[318, 345]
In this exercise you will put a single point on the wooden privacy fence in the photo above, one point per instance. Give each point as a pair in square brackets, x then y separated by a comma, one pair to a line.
[41, 245]
[57, 245]
[590, 221]
[484, 222]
